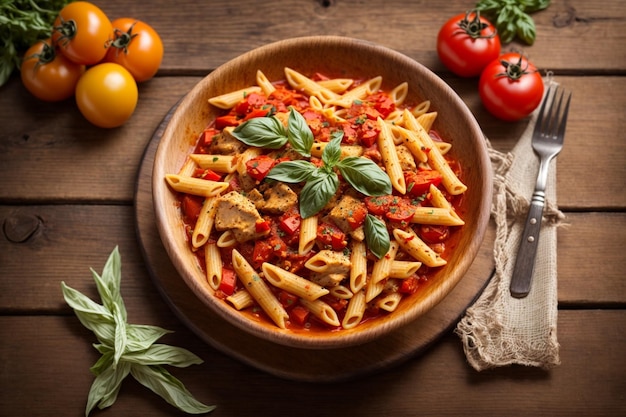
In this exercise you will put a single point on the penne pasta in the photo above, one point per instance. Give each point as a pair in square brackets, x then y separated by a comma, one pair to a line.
[226, 240]
[398, 94]
[355, 311]
[241, 299]
[341, 292]
[292, 283]
[449, 179]
[387, 149]
[346, 150]
[403, 269]
[228, 100]
[300, 82]
[436, 216]
[188, 168]
[213, 261]
[259, 290]
[265, 84]
[389, 302]
[322, 311]
[419, 250]
[382, 267]
[308, 234]
[204, 224]
[336, 85]
[225, 164]
[195, 186]
[358, 270]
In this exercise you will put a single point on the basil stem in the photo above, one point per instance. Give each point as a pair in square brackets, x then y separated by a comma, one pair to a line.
[128, 348]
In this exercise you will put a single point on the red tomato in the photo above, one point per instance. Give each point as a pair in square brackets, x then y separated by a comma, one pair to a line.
[379, 205]
[260, 166]
[434, 233]
[81, 31]
[290, 222]
[356, 217]
[228, 282]
[49, 75]
[409, 285]
[418, 183]
[467, 43]
[191, 206]
[331, 236]
[511, 87]
[401, 211]
[136, 46]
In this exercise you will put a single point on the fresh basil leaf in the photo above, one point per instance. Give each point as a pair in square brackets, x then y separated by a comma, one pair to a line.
[376, 236]
[365, 176]
[317, 192]
[120, 336]
[106, 386]
[262, 132]
[159, 354]
[332, 152]
[141, 337]
[109, 283]
[105, 361]
[292, 171]
[299, 133]
[161, 382]
[526, 29]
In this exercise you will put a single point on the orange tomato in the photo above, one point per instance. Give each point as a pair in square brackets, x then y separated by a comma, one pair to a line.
[107, 95]
[47, 74]
[81, 31]
[137, 47]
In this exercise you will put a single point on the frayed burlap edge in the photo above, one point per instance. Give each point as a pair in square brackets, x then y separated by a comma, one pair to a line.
[498, 329]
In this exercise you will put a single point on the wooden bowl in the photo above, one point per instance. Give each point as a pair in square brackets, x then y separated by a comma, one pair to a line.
[337, 56]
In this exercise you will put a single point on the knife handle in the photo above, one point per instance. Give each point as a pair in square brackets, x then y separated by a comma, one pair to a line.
[525, 261]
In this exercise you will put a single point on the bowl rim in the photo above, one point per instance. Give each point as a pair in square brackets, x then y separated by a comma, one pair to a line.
[345, 337]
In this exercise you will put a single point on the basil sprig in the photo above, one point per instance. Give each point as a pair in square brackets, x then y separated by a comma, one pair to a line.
[128, 348]
[512, 17]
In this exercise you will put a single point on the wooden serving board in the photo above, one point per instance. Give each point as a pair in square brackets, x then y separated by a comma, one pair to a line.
[313, 365]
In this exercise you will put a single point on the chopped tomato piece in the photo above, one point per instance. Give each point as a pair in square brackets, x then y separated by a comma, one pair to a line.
[191, 206]
[356, 217]
[252, 101]
[262, 252]
[434, 233]
[206, 138]
[369, 133]
[299, 315]
[409, 285]
[228, 282]
[379, 205]
[418, 183]
[287, 299]
[331, 236]
[290, 222]
[401, 211]
[260, 166]
[383, 103]
[227, 120]
[278, 245]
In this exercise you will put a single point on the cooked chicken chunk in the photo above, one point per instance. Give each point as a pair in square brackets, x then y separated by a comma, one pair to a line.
[407, 161]
[343, 210]
[279, 199]
[226, 144]
[235, 212]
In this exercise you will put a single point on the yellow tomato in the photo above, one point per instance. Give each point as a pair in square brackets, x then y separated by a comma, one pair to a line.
[107, 95]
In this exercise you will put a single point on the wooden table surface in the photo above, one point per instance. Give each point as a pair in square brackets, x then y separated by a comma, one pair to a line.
[67, 196]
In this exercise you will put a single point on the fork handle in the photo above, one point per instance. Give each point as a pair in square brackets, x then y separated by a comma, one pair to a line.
[525, 261]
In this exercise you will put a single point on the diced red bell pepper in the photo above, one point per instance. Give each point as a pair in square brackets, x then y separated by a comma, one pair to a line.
[256, 113]
[331, 236]
[262, 225]
[228, 282]
[260, 166]
[206, 137]
[418, 183]
[299, 315]
[227, 120]
[252, 100]
[262, 252]
[207, 174]
[191, 206]
[289, 222]
[368, 133]
[383, 103]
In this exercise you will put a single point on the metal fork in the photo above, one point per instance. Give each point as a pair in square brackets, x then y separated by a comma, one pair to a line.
[547, 142]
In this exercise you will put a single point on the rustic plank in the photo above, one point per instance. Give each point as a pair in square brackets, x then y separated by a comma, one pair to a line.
[55, 144]
[567, 32]
[59, 353]
[58, 250]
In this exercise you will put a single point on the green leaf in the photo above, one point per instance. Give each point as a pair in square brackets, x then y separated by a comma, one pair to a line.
[159, 354]
[106, 386]
[120, 335]
[292, 171]
[169, 388]
[365, 176]
[376, 236]
[526, 29]
[317, 193]
[332, 152]
[141, 337]
[109, 283]
[262, 132]
[299, 133]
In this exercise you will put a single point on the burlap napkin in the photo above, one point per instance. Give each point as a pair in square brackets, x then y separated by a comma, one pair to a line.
[500, 329]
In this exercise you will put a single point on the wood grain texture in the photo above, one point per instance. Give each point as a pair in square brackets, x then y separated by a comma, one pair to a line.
[437, 383]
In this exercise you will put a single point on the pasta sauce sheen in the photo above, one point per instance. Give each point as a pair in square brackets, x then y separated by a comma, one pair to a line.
[247, 230]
